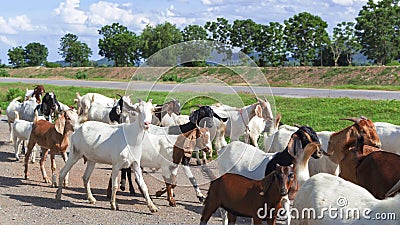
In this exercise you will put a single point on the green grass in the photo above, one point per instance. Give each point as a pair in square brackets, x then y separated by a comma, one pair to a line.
[319, 113]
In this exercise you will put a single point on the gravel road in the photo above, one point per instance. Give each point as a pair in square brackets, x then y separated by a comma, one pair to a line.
[33, 201]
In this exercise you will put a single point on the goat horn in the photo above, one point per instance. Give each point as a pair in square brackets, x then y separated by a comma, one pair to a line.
[352, 119]
[297, 125]
[394, 189]
[265, 98]
[119, 95]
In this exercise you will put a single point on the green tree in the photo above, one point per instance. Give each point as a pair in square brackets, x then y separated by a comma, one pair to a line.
[196, 50]
[74, 51]
[16, 56]
[119, 44]
[378, 30]
[35, 54]
[243, 35]
[220, 32]
[344, 42]
[194, 32]
[269, 44]
[154, 39]
[305, 35]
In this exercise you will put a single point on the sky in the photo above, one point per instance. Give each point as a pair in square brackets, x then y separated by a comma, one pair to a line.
[47, 21]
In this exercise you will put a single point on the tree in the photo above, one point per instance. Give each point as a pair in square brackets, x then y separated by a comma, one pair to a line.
[220, 32]
[119, 44]
[196, 49]
[16, 56]
[243, 35]
[305, 34]
[35, 54]
[378, 30]
[269, 44]
[194, 32]
[74, 51]
[154, 39]
[344, 42]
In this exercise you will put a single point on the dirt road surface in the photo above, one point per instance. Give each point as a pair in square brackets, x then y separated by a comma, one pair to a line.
[33, 201]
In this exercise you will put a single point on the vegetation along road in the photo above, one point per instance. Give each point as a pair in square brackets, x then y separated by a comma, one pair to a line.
[277, 91]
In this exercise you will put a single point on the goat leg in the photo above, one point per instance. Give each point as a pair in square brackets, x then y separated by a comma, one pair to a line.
[131, 188]
[170, 198]
[42, 162]
[124, 172]
[53, 170]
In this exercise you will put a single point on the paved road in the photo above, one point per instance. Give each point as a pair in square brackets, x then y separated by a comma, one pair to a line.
[277, 91]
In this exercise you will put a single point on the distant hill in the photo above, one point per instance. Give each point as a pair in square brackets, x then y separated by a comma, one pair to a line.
[100, 62]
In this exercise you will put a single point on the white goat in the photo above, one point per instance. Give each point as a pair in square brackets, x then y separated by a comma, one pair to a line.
[389, 135]
[116, 145]
[278, 140]
[21, 131]
[14, 105]
[84, 102]
[239, 118]
[102, 113]
[323, 192]
[173, 119]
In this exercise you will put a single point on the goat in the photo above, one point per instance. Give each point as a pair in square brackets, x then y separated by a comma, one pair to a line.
[49, 106]
[84, 102]
[99, 142]
[21, 131]
[14, 105]
[169, 108]
[37, 93]
[243, 159]
[277, 141]
[238, 119]
[325, 191]
[53, 137]
[375, 170]
[203, 116]
[241, 196]
[168, 151]
[107, 114]
[389, 134]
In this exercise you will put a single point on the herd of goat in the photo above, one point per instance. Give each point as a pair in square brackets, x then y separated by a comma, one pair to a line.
[299, 168]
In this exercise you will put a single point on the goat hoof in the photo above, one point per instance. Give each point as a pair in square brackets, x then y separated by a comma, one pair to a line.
[153, 208]
[92, 200]
[114, 207]
[201, 198]
[122, 186]
[159, 193]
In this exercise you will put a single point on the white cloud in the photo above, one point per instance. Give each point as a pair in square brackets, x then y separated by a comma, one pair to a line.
[70, 12]
[343, 2]
[7, 41]
[211, 2]
[5, 28]
[21, 23]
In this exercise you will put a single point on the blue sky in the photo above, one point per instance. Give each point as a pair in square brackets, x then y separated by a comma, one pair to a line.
[46, 21]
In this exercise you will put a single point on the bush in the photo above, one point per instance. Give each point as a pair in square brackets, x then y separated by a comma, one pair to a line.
[171, 77]
[4, 73]
[13, 93]
[52, 65]
[81, 75]
[393, 63]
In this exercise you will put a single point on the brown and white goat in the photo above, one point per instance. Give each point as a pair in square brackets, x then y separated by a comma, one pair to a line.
[242, 196]
[53, 137]
[376, 171]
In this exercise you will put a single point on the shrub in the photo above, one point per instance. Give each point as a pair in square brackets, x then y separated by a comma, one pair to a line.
[81, 75]
[393, 63]
[13, 93]
[52, 65]
[4, 73]
[171, 77]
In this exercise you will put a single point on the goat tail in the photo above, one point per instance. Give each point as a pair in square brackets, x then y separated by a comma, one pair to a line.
[16, 99]
[35, 119]
[16, 115]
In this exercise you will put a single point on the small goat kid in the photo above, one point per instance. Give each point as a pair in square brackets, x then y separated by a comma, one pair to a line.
[51, 137]
[241, 196]
[116, 145]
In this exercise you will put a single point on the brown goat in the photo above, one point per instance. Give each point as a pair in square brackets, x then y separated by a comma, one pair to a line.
[241, 196]
[377, 172]
[53, 137]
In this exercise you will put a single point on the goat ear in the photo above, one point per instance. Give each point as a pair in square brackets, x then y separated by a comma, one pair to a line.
[266, 183]
[59, 124]
[258, 111]
[294, 145]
